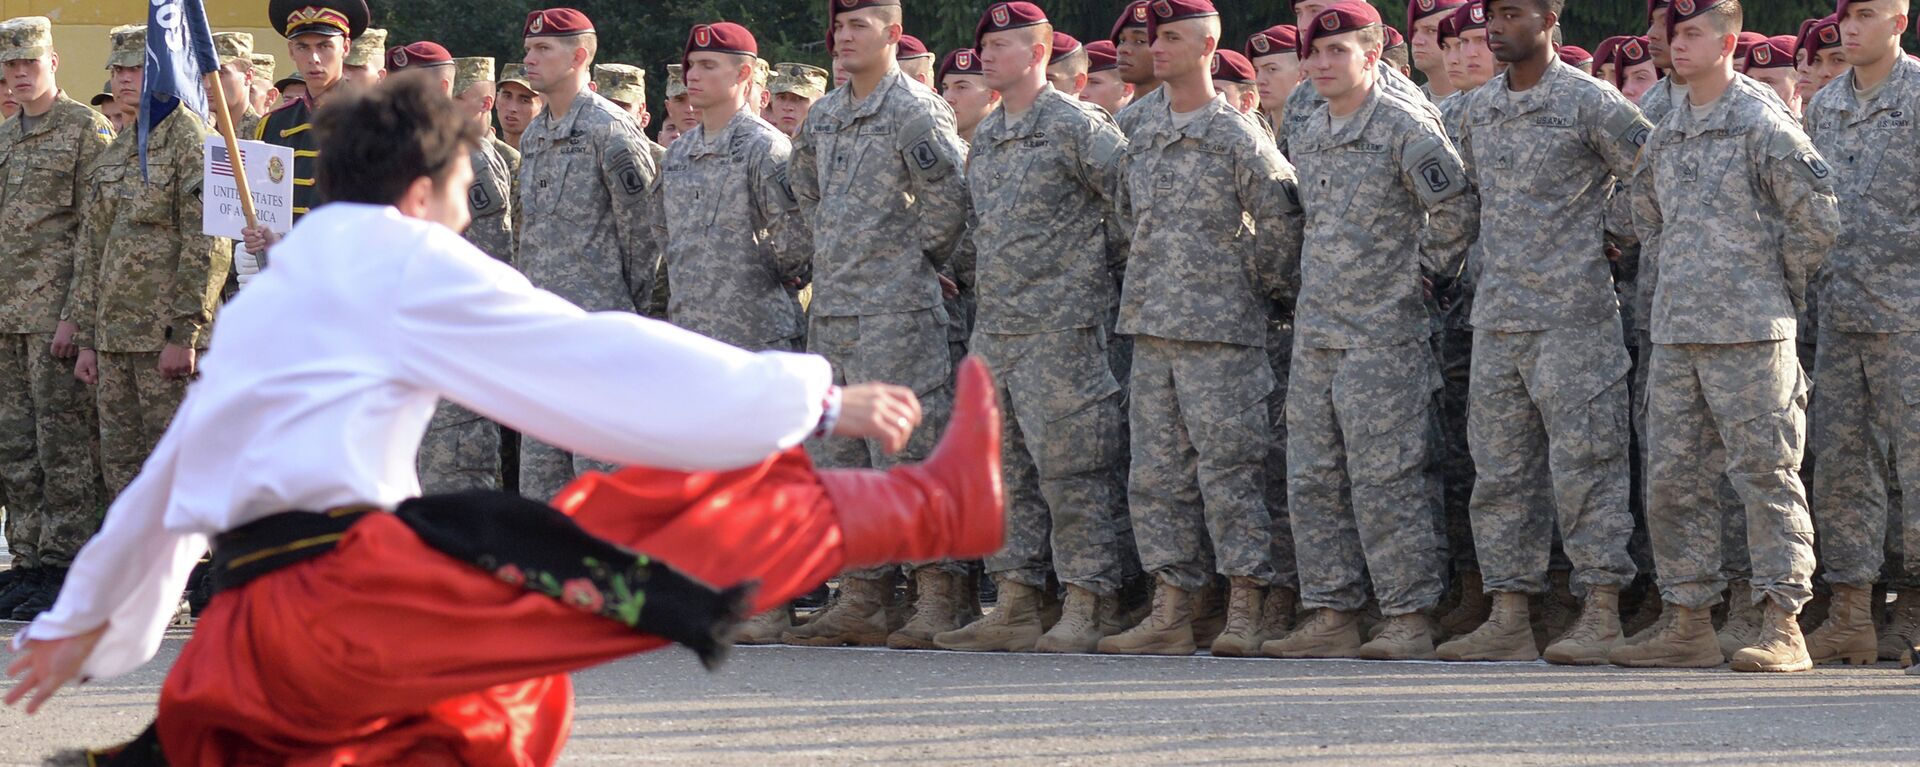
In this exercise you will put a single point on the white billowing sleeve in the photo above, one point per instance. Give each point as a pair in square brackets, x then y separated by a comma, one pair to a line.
[129, 576]
[612, 385]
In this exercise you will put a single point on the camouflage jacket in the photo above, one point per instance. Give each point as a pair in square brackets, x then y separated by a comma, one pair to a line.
[1871, 282]
[45, 178]
[1214, 211]
[490, 200]
[146, 276]
[732, 234]
[1305, 98]
[1135, 111]
[1543, 160]
[1043, 190]
[580, 208]
[1385, 197]
[881, 184]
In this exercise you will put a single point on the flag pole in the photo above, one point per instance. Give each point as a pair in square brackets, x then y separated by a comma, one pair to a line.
[224, 122]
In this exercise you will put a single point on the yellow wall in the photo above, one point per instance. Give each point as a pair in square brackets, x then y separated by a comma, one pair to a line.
[80, 32]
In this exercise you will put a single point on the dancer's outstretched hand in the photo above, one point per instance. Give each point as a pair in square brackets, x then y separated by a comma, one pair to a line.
[885, 413]
[43, 667]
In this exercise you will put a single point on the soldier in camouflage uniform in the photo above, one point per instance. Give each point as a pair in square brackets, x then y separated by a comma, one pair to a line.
[516, 105]
[462, 450]
[1211, 207]
[626, 86]
[474, 88]
[1547, 421]
[236, 81]
[1363, 376]
[263, 95]
[366, 59]
[1133, 50]
[1042, 188]
[48, 477]
[1868, 368]
[580, 208]
[877, 170]
[1726, 394]
[795, 88]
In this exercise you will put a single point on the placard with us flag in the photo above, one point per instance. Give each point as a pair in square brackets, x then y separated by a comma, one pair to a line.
[179, 56]
[269, 182]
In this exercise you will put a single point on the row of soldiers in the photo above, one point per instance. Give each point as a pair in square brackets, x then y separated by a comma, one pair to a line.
[1235, 320]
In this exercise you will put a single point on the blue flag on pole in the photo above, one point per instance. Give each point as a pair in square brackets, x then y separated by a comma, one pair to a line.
[179, 56]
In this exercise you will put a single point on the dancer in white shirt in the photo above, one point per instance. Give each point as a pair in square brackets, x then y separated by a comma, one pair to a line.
[446, 629]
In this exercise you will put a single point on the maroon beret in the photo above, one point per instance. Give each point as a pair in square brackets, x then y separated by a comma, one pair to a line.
[1633, 51]
[418, 56]
[1745, 43]
[1001, 17]
[1338, 19]
[1654, 6]
[1575, 55]
[1231, 67]
[1063, 46]
[959, 61]
[1420, 9]
[720, 37]
[837, 7]
[911, 48]
[1777, 51]
[1824, 34]
[1603, 53]
[1448, 30]
[1101, 56]
[1169, 11]
[1135, 15]
[1282, 38]
[558, 22]
[1393, 37]
[1470, 17]
[1687, 10]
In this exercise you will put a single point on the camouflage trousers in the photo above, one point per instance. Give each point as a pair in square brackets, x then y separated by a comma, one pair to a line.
[1120, 357]
[1735, 564]
[1061, 456]
[905, 349]
[1200, 441]
[1286, 569]
[49, 475]
[1547, 425]
[545, 470]
[461, 451]
[1868, 398]
[1358, 425]
[135, 405]
[1735, 412]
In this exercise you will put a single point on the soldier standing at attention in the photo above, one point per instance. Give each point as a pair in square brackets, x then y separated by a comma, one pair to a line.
[795, 88]
[1423, 31]
[1104, 88]
[585, 172]
[1067, 68]
[515, 104]
[475, 90]
[963, 85]
[1275, 53]
[235, 50]
[877, 170]
[1133, 54]
[366, 61]
[264, 96]
[48, 476]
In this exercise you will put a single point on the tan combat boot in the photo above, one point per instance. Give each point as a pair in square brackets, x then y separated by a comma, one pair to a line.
[1780, 647]
[766, 627]
[1242, 636]
[1903, 626]
[1847, 636]
[1506, 636]
[857, 617]
[1277, 614]
[1743, 619]
[1085, 619]
[939, 607]
[1013, 627]
[1327, 633]
[1685, 640]
[1594, 635]
[1168, 629]
[1402, 637]
[1472, 609]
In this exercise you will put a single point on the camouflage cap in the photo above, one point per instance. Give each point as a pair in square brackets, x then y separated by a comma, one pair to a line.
[676, 81]
[369, 49]
[516, 73]
[233, 46]
[624, 83]
[762, 72]
[471, 70]
[129, 46]
[27, 37]
[800, 79]
[263, 66]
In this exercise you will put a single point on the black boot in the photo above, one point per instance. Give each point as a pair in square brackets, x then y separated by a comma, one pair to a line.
[23, 586]
[41, 599]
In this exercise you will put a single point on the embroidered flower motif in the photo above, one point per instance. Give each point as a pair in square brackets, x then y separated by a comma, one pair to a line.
[580, 593]
[511, 575]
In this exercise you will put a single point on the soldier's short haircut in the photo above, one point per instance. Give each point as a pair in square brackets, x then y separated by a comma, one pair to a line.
[374, 142]
[1727, 18]
[1370, 38]
[1395, 57]
[889, 14]
[589, 41]
[1076, 63]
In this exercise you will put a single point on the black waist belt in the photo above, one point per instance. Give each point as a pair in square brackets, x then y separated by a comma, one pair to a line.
[521, 542]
